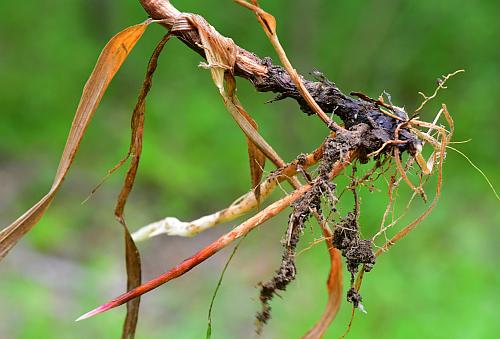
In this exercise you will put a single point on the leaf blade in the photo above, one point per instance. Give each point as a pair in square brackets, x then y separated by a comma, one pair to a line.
[109, 62]
[334, 286]
[132, 256]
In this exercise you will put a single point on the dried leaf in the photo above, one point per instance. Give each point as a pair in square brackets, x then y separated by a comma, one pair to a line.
[267, 20]
[257, 162]
[132, 257]
[221, 56]
[258, 148]
[256, 157]
[268, 23]
[109, 62]
[334, 285]
[242, 119]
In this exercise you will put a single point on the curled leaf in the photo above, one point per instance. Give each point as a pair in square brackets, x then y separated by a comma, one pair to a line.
[267, 21]
[132, 257]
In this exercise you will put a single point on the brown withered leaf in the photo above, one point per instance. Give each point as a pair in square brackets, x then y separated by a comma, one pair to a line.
[242, 119]
[221, 56]
[334, 286]
[266, 20]
[256, 157]
[109, 62]
[132, 256]
[257, 161]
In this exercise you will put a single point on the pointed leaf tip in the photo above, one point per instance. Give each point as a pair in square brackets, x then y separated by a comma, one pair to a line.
[94, 312]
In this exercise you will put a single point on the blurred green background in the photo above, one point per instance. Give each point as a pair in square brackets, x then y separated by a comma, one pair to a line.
[440, 282]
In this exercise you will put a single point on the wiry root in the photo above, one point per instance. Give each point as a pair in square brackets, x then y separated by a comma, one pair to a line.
[437, 158]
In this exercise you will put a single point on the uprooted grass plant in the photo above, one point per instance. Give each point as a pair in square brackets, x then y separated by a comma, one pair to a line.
[369, 141]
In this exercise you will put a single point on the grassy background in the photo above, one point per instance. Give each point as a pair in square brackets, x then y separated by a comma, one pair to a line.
[441, 282]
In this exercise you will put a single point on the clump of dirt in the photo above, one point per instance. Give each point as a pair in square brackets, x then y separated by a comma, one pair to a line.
[357, 251]
[354, 297]
[302, 210]
[361, 138]
[335, 149]
[284, 275]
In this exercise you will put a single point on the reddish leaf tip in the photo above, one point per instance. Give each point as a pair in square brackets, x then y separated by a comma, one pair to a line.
[94, 312]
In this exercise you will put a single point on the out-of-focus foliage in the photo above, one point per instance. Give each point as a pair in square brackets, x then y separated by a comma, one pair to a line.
[442, 281]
